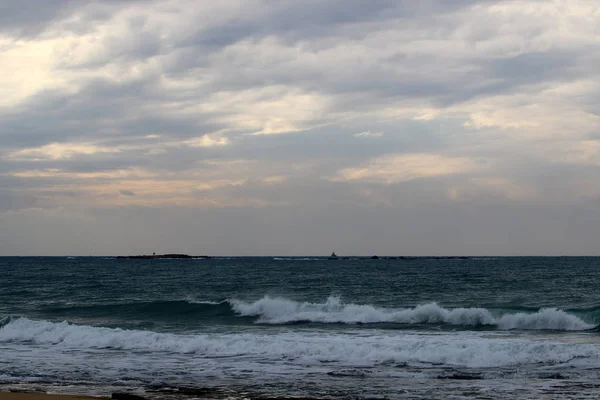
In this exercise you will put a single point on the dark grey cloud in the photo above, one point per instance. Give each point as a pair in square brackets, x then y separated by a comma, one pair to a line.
[305, 20]
[102, 110]
[535, 67]
[31, 18]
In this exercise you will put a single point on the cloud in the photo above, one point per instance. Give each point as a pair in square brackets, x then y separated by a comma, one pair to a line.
[397, 168]
[367, 134]
[58, 151]
[207, 141]
[307, 106]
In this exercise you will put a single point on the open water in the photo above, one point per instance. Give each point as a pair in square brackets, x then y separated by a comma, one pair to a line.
[486, 328]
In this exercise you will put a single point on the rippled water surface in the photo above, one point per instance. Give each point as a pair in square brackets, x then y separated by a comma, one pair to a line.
[396, 328]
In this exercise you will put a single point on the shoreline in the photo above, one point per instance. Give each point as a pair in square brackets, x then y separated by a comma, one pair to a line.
[18, 395]
[167, 393]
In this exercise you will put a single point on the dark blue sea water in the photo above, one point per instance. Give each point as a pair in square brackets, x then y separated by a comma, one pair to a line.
[351, 328]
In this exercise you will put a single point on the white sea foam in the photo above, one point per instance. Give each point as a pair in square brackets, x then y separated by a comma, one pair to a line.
[547, 318]
[278, 311]
[370, 348]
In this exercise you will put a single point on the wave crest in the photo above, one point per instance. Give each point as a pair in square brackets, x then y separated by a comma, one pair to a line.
[281, 311]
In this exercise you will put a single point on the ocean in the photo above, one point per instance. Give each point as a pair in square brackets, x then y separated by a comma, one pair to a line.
[272, 327]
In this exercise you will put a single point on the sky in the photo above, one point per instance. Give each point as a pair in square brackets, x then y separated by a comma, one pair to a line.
[300, 127]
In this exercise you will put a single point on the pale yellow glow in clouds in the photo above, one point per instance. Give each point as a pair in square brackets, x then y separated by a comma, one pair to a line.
[406, 167]
[25, 68]
[208, 141]
[59, 151]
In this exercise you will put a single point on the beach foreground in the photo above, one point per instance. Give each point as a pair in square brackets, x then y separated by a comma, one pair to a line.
[43, 396]
[416, 389]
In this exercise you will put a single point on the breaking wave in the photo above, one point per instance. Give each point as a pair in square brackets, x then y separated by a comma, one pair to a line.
[281, 311]
[305, 348]
[190, 312]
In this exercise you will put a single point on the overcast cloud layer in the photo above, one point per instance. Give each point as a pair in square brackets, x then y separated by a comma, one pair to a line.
[300, 127]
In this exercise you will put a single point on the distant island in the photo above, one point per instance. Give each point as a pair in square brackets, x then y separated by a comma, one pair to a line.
[160, 256]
